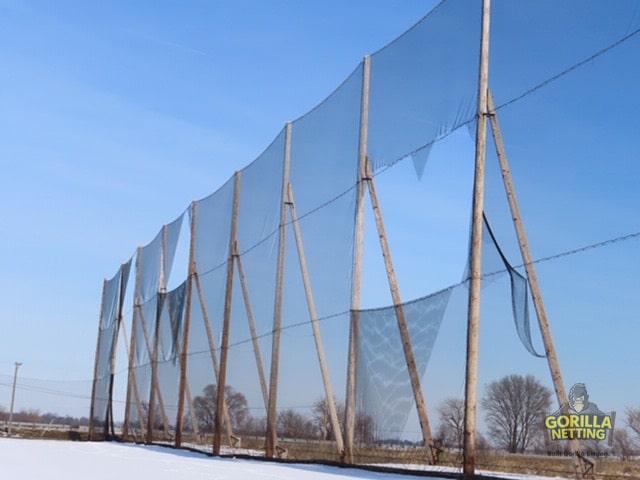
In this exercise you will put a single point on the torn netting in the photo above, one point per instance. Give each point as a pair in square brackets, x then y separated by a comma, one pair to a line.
[494, 263]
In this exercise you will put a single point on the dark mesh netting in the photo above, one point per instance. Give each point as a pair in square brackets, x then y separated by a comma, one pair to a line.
[287, 252]
[495, 263]
[385, 393]
[153, 267]
[419, 92]
[253, 297]
[211, 224]
[168, 344]
[110, 314]
[384, 390]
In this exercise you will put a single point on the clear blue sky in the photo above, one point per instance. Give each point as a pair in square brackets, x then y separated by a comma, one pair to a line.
[115, 116]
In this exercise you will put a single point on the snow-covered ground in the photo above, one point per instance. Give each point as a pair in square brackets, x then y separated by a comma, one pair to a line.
[42, 459]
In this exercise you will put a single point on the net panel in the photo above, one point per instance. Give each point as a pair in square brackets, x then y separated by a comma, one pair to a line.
[211, 219]
[324, 153]
[567, 115]
[113, 295]
[254, 282]
[153, 266]
[385, 394]
[567, 99]
[168, 353]
[424, 84]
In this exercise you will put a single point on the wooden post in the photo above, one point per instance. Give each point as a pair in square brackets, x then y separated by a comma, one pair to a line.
[154, 380]
[184, 351]
[123, 280]
[153, 353]
[272, 414]
[95, 365]
[175, 336]
[132, 385]
[322, 359]
[412, 369]
[356, 281]
[226, 325]
[536, 294]
[473, 313]
[252, 328]
[212, 350]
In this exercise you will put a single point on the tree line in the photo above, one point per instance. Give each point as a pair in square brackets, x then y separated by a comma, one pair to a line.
[34, 416]
[514, 410]
[515, 407]
[290, 422]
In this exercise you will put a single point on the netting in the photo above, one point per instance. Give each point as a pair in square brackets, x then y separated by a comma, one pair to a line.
[153, 268]
[275, 250]
[494, 264]
[110, 315]
[384, 391]
[424, 84]
[167, 348]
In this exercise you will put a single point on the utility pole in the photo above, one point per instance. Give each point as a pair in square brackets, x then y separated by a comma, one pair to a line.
[13, 396]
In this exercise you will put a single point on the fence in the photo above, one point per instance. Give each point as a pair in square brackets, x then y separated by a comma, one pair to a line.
[272, 289]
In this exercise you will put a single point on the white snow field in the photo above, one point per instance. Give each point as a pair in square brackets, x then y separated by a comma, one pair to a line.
[43, 459]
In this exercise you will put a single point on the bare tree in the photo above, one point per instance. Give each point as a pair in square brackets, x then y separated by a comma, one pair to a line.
[255, 426]
[515, 408]
[322, 420]
[633, 419]
[365, 429]
[451, 422]
[291, 424]
[31, 415]
[205, 407]
[623, 444]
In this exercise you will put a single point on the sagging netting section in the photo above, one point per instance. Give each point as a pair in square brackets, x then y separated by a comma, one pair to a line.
[385, 396]
[145, 408]
[494, 265]
[113, 293]
[165, 366]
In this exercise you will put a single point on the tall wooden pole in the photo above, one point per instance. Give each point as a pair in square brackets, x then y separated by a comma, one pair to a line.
[212, 350]
[122, 280]
[226, 324]
[473, 312]
[252, 329]
[407, 347]
[184, 351]
[154, 380]
[271, 440]
[322, 359]
[153, 354]
[356, 280]
[132, 385]
[536, 294]
[132, 389]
